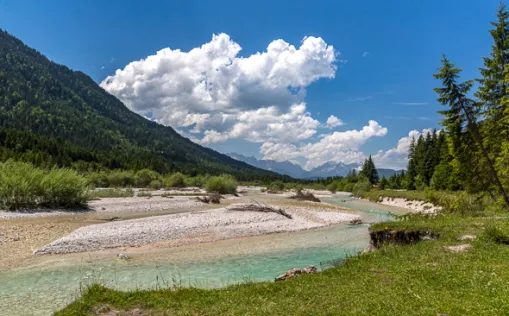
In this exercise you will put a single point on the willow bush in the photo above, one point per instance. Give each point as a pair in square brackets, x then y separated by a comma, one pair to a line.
[23, 186]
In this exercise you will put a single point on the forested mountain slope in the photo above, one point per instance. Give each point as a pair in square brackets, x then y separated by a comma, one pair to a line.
[50, 114]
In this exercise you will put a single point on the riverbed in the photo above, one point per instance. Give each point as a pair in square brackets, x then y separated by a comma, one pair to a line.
[50, 282]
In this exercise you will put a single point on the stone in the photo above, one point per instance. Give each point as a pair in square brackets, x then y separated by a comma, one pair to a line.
[459, 248]
[294, 272]
[466, 237]
[122, 256]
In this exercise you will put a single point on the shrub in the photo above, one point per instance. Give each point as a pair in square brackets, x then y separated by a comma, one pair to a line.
[156, 184]
[176, 180]
[63, 188]
[348, 187]
[23, 186]
[198, 181]
[459, 202]
[144, 177]
[361, 187]
[119, 178]
[332, 187]
[276, 186]
[224, 184]
[495, 234]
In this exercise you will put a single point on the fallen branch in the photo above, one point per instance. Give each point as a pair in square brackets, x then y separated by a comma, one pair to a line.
[255, 206]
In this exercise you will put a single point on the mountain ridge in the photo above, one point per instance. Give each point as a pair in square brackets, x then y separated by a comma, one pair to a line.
[328, 169]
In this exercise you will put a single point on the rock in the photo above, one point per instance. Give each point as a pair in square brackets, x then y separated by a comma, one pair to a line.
[294, 272]
[356, 221]
[466, 237]
[122, 256]
[459, 248]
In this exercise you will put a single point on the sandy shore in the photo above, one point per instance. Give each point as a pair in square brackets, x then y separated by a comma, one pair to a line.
[198, 226]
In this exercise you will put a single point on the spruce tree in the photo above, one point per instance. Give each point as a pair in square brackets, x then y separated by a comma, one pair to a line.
[462, 110]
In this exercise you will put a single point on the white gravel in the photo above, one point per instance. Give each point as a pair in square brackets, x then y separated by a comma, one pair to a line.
[109, 205]
[196, 226]
[414, 205]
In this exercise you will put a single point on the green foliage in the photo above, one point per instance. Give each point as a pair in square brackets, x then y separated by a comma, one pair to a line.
[176, 180]
[495, 234]
[332, 187]
[459, 202]
[276, 186]
[224, 184]
[156, 184]
[369, 170]
[384, 183]
[362, 186]
[144, 177]
[22, 186]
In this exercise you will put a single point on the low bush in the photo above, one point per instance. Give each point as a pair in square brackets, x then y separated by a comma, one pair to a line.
[176, 180]
[332, 187]
[144, 177]
[224, 184]
[156, 184]
[459, 202]
[495, 234]
[23, 186]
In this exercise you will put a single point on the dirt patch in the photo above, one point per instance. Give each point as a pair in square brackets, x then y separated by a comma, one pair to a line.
[401, 237]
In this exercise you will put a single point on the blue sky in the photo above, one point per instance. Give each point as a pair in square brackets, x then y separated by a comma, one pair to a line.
[384, 52]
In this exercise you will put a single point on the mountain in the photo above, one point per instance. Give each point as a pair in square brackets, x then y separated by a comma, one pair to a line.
[387, 172]
[283, 167]
[328, 169]
[52, 115]
[332, 169]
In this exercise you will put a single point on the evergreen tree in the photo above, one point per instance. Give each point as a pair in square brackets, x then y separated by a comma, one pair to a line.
[369, 170]
[384, 183]
[461, 110]
[411, 169]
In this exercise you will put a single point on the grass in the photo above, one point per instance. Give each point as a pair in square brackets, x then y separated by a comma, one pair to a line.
[418, 279]
[23, 186]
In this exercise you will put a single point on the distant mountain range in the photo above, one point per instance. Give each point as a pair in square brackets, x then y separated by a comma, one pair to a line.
[328, 169]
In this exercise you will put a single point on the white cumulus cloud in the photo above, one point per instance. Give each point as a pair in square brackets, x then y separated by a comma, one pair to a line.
[338, 146]
[217, 94]
[333, 121]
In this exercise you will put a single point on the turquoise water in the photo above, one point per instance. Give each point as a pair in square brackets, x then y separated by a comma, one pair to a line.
[49, 287]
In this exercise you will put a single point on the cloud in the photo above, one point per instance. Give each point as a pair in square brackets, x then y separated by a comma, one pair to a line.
[410, 103]
[217, 94]
[397, 157]
[338, 146]
[365, 54]
[102, 67]
[112, 59]
[333, 122]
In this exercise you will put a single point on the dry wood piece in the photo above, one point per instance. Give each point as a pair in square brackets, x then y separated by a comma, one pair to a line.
[305, 196]
[213, 198]
[255, 206]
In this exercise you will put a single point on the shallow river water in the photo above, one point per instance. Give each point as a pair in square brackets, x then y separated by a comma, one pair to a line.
[56, 281]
